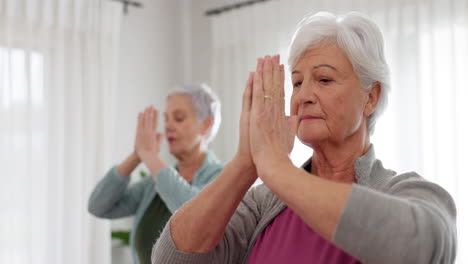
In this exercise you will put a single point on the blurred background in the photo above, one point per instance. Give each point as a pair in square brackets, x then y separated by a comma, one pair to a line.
[75, 73]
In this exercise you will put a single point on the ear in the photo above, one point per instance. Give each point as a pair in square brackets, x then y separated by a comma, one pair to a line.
[373, 98]
[206, 125]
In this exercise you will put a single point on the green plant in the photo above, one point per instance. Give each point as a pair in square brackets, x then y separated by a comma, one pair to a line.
[123, 236]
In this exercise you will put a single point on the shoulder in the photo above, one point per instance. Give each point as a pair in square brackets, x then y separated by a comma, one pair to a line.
[209, 171]
[213, 166]
[212, 169]
[413, 186]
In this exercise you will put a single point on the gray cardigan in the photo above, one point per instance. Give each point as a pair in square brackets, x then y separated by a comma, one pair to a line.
[388, 218]
[114, 198]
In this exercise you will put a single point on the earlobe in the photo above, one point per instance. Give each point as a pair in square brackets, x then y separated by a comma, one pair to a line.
[373, 98]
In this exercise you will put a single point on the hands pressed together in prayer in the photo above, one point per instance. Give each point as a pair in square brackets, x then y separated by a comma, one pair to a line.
[148, 140]
[266, 134]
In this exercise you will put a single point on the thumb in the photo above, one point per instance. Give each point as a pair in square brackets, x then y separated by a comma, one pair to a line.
[159, 137]
[293, 123]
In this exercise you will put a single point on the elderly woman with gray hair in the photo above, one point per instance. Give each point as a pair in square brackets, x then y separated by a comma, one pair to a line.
[343, 205]
[192, 118]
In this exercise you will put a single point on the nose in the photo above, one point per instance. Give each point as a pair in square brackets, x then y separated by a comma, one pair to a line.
[307, 94]
[169, 126]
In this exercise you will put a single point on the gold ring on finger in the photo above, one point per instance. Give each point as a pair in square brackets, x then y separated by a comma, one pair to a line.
[267, 97]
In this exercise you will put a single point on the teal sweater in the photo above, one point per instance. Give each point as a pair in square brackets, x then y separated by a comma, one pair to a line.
[114, 198]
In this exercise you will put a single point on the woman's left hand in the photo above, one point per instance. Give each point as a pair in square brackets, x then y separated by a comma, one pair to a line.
[271, 132]
[148, 140]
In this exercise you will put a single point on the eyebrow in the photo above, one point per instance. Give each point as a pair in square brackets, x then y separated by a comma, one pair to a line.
[319, 66]
[177, 111]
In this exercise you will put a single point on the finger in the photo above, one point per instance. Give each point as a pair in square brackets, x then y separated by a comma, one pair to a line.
[155, 119]
[143, 118]
[159, 137]
[247, 96]
[148, 118]
[268, 76]
[140, 121]
[257, 91]
[293, 124]
[153, 116]
[281, 87]
[276, 79]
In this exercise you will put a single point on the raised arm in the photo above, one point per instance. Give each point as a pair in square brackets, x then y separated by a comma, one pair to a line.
[129, 164]
[209, 228]
[112, 198]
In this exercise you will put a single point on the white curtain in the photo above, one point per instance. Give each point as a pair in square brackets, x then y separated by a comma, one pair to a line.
[425, 127]
[57, 65]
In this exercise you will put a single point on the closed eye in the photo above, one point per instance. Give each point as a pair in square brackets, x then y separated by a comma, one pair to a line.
[325, 80]
[297, 84]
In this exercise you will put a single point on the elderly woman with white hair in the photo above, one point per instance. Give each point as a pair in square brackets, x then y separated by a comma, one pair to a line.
[192, 117]
[342, 206]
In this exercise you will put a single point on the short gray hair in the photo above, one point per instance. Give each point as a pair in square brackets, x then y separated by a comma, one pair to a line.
[205, 102]
[359, 38]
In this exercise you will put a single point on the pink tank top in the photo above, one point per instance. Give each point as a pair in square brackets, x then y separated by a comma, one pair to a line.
[287, 239]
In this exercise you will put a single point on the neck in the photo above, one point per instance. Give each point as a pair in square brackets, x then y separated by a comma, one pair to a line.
[336, 161]
[192, 159]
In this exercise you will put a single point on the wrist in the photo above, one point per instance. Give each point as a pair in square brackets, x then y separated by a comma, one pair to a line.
[154, 164]
[272, 165]
[134, 156]
[244, 167]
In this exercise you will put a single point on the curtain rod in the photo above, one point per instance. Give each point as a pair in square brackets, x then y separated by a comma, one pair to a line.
[127, 3]
[227, 8]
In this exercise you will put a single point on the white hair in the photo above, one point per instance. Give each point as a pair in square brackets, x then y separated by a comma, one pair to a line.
[206, 104]
[359, 38]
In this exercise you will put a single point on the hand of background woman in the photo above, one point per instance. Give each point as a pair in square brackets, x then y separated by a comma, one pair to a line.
[148, 140]
[243, 157]
[271, 132]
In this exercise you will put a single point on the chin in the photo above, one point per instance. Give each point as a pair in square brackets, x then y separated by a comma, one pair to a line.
[311, 137]
[173, 150]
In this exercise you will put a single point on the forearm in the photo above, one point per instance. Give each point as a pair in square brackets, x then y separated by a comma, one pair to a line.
[129, 164]
[107, 194]
[317, 201]
[199, 225]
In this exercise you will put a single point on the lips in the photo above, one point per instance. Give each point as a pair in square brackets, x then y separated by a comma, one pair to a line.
[309, 117]
[171, 139]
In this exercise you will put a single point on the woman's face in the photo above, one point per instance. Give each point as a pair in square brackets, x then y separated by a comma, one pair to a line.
[183, 130]
[327, 96]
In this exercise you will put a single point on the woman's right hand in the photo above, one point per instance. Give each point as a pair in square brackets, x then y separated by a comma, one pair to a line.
[147, 140]
[243, 157]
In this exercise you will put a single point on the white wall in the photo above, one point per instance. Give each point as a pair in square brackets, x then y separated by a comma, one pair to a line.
[150, 63]
[199, 48]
